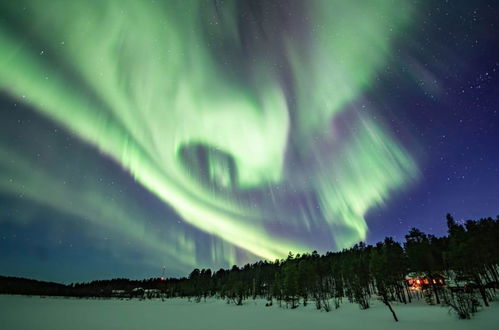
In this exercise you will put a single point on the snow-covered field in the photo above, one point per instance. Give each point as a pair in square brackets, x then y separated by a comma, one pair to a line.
[19, 312]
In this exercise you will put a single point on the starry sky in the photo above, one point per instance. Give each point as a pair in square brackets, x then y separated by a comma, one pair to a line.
[142, 135]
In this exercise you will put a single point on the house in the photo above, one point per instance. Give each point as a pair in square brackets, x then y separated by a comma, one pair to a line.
[118, 293]
[416, 282]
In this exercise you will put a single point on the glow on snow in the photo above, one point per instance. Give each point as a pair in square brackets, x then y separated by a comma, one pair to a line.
[218, 138]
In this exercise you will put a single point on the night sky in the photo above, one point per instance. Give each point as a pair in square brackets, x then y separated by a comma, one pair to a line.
[137, 135]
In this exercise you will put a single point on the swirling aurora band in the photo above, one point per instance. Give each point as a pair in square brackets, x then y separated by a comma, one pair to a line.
[224, 114]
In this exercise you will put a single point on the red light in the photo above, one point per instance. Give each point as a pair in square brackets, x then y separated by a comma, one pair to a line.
[162, 278]
[418, 281]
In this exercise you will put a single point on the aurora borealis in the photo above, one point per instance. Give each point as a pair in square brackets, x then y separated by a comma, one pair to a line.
[209, 133]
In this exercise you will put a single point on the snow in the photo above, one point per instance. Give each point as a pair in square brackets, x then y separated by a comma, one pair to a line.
[20, 312]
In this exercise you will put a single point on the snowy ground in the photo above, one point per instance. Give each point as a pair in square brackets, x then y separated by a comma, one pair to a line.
[19, 312]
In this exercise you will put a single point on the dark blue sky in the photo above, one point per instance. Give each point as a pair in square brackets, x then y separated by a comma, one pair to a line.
[456, 121]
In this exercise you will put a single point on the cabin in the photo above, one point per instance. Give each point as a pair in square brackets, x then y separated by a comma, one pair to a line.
[415, 282]
[119, 293]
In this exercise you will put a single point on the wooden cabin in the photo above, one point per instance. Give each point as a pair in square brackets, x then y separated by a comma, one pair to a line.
[421, 282]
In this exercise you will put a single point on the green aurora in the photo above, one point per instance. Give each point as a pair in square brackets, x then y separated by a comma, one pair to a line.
[212, 122]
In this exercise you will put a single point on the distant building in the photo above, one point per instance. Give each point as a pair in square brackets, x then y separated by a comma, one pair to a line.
[416, 282]
[119, 293]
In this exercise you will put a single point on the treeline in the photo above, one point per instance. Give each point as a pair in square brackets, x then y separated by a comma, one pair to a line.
[459, 270]
[16, 285]
[466, 261]
[97, 289]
